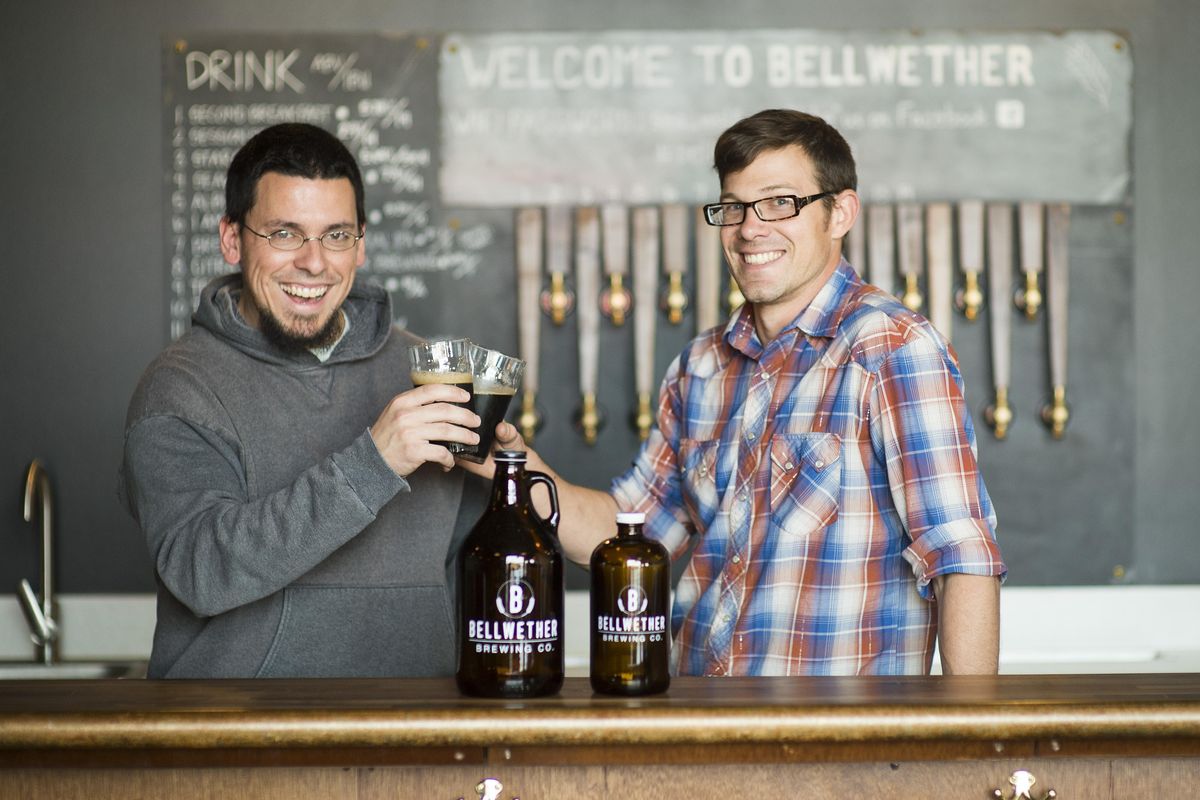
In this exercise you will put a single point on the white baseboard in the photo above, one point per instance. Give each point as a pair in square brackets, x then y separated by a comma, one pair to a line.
[1062, 629]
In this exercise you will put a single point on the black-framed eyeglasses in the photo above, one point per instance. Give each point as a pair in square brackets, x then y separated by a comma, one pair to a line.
[768, 209]
[283, 239]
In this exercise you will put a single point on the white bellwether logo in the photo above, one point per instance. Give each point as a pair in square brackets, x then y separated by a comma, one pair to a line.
[515, 599]
[633, 601]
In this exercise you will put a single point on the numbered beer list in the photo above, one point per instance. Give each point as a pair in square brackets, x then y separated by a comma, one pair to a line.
[378, 94]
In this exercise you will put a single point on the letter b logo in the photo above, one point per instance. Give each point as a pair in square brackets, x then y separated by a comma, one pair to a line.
[515, 599]
[632, 601]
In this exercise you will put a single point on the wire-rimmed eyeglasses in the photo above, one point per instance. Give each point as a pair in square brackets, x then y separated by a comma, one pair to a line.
[337, 241]
[768, 209]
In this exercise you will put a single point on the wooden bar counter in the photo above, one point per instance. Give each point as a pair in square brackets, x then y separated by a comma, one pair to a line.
[1093, 736]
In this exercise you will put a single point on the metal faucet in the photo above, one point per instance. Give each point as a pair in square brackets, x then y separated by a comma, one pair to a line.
[39, 612]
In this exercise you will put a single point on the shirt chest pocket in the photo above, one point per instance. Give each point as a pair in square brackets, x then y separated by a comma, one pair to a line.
[806, 478]
[701, 494]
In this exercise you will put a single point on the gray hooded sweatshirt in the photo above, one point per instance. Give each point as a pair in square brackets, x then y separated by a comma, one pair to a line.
[283, 543]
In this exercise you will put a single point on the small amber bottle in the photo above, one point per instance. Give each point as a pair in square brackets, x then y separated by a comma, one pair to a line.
[631, 612]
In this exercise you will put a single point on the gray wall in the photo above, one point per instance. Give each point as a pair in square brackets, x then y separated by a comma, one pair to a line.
[82, 220]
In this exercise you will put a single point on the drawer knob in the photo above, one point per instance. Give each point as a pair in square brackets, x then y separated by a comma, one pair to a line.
[1022, 782]
[489, 789]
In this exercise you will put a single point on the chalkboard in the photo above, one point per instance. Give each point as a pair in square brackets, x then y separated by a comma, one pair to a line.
[578, 118]
[448, 158]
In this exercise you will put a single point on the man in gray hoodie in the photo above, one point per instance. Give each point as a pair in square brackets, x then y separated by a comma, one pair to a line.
[277, 457]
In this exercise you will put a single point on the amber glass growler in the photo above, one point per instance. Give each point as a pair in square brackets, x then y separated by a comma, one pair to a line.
[631, 612]
[510, 591]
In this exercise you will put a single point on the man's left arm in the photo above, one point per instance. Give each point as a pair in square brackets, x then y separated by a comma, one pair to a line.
[968, 623]
[925, 437]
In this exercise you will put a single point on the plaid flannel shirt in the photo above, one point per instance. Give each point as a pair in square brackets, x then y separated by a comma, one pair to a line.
[829, 476]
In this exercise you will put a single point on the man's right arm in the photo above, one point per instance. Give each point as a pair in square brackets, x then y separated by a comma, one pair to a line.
[217, 548]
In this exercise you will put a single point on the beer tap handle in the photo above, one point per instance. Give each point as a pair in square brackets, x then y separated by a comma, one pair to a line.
[587, 275]
[708, 273]
[529, 266]
[969, 299]
[674, 246]
[1056, 414]
[881, 245]
[558, 300]
[999, 232]
[615, 300]
[940, 244]
[645, 274]
[912, 253]
[1032, 219]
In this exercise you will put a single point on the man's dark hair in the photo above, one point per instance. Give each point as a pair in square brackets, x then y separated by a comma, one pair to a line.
[291, 148]
[775, 129]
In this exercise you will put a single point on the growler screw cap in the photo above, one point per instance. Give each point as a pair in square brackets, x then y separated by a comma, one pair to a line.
[630, 518]
[509, 455]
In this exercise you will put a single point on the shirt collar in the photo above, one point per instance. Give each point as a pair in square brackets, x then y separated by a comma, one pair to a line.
[820, 318]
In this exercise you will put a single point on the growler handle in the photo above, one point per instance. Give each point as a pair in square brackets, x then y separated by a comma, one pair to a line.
[541, 477]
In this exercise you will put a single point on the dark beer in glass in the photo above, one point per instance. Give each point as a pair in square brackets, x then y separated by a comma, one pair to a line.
[497, 378]
[443, 361]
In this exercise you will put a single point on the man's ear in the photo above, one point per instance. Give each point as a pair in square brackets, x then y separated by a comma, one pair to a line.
[231, 242]
[846, 207]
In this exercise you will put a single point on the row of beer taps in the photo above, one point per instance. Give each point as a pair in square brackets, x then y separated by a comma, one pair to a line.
[914, 240]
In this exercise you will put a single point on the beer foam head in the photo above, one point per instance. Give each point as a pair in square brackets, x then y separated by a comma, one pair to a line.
[421, 377]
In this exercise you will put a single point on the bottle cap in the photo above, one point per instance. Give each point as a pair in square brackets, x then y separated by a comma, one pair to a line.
[630, 518]
[509, 455]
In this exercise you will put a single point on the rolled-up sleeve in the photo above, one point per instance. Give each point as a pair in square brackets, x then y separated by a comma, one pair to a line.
[926, 438]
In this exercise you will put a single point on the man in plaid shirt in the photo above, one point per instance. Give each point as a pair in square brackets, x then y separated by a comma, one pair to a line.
[817, 448]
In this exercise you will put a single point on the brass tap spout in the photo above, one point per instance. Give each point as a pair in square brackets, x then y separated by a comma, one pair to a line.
[1029, 299]
[970, 298]
[589, 418]
[999, 415]
[912, 292]
[643, 418]
[530, 419]
[676, 300]
[1057, 412]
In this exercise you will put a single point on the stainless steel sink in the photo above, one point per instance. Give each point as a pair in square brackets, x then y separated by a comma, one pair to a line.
[71, 670]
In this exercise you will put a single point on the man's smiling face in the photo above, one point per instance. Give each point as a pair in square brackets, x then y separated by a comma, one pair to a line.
[780, 266]
[294, 295]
